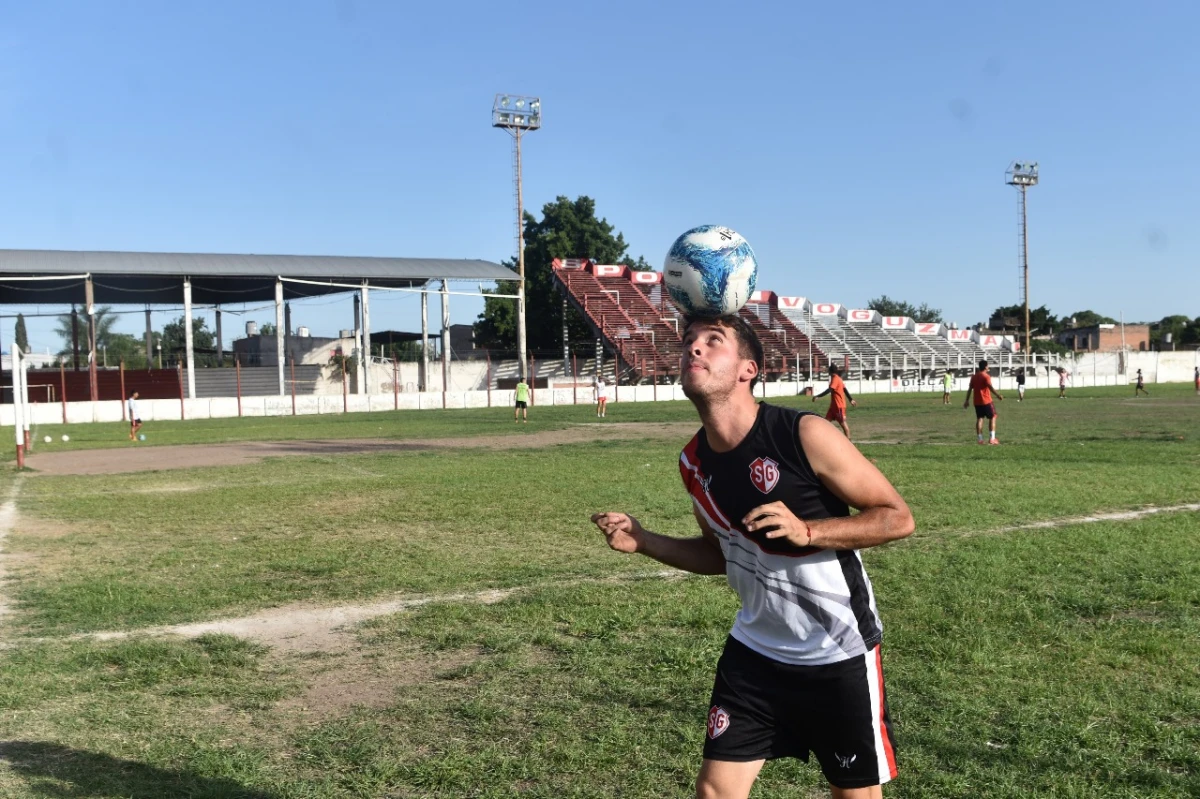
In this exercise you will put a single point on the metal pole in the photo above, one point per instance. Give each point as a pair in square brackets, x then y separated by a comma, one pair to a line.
[445, 338]
[62, 381]
[279, 329]
[237, 364]
[395, 382]
[188, 342]
[366, 323]
[293, 364]
[179, 374]
[149, 343]
[220, 345]
[89, 289]
[123, 417]
[1025, 261]
[521, 340]
[422, 381]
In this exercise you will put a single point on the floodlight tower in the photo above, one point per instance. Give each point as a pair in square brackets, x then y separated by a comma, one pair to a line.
[1023, 175]
[518, 115]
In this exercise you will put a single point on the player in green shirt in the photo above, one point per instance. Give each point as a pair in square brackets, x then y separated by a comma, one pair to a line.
[947, 385]
[522, 406]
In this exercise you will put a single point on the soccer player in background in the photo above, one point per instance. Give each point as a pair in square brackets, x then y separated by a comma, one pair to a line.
[601, 395]
[1140, 388]
[947, 385]
[135, 418]
[1021, 384]
[1063, 374]
[981, 390]
[837, 399]
[521, 407]
[771, 491]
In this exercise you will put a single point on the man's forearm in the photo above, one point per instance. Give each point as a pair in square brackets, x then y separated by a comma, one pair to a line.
[867, 529]
[696, 555]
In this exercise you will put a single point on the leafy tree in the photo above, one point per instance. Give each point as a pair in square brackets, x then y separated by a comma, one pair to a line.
[1041, 320]
[203, 343]
[22, 335]
[1087, 319]
[123, 346]
[267, 330]
[106, 320]
[1041, 346]
[568, 229]
[889, 307]
[1178, 326]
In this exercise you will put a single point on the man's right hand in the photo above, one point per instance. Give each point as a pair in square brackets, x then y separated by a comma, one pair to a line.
[623, 532]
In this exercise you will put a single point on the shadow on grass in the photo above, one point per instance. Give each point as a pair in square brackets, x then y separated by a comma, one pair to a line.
[53, 770]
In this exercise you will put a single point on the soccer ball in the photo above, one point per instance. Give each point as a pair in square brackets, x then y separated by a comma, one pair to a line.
[66, 437]
[48, 439]
[142, 437]
[710, 271]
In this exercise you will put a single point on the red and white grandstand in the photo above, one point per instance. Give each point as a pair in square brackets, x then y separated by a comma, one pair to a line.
[633, 314]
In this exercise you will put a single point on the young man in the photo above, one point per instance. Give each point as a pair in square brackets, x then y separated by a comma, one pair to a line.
[981, 388]
[947, 385]
[1140, 388]
[522, 405]
[601, 395]
[771, 490]
[837, 400]
[1021, 384]
[1062, 382]
[135, 419]
[1196, 380]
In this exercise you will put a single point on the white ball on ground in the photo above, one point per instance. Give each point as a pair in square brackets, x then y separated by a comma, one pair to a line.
[66, 437]
[48, 439]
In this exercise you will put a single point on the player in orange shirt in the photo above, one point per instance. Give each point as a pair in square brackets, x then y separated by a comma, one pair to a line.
[981, 388]
[837, 402]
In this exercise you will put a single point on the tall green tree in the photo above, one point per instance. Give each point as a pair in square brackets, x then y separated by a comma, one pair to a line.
[22, 335]
[920, 313]
[1041, 319]
[1177, 325]
[567, 229]
[106, 320]
[1086, 319]
[203, 343]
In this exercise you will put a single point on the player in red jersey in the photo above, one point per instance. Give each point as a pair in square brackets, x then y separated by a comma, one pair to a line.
[837, 400]
[981, 388]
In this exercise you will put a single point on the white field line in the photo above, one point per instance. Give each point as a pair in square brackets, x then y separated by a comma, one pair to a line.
[297, 622]
[8, 521]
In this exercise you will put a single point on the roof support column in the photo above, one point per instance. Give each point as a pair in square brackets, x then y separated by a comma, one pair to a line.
[445, 335]
[187, 338]
[423, 364]
[279, 330]
[365, 381]
[149, 344]
[90, 299]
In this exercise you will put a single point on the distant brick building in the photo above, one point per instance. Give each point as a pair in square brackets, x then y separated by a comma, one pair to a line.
[1105, 338]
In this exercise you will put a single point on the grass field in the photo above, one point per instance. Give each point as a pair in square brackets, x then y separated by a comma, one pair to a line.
[1057, 661]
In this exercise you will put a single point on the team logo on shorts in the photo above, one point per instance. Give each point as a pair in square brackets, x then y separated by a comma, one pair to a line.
[764, 473]
[718, 721]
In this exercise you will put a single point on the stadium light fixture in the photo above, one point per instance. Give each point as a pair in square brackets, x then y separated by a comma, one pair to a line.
[518, 114]
[1023, 175]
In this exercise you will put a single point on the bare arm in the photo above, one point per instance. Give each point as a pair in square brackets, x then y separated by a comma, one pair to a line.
[883, 515]
[699, 555]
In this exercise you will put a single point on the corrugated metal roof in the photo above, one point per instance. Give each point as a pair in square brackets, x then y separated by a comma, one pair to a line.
[157, 277]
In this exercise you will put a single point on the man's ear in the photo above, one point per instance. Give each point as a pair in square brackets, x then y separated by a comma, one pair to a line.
[749, 370]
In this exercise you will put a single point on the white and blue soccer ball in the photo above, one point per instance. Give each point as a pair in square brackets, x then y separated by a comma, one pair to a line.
[710, 271]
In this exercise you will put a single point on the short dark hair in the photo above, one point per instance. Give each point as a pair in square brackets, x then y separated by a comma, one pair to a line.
[834, 369]
[749, 347]
[982, 366]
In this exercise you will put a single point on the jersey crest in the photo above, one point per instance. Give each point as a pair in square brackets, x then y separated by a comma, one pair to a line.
[764, 473]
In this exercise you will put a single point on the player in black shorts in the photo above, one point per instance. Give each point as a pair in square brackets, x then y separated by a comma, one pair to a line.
[771, 490]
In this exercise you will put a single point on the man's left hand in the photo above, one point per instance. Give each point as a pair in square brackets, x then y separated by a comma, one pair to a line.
[776, 520]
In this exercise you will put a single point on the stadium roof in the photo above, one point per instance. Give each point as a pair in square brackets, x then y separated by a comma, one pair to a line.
[157, 277]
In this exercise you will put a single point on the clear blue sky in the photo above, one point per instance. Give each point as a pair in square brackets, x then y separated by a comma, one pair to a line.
[861, 149]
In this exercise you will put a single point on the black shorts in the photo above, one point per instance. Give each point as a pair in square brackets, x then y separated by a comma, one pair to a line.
[520, 404]
[135, 421]
[985, 411]
[762, 709]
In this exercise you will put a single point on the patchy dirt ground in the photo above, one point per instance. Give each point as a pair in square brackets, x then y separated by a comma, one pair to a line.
[148, 459]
